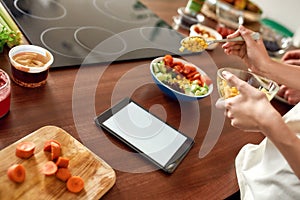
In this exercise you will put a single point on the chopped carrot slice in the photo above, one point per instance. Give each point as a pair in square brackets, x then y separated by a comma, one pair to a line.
[49, 168]
[25, 149]
[55, 150]
[16, 173]
[190, 75]
[75, 184]
[63, 174]
[47, 145]
[62, 162]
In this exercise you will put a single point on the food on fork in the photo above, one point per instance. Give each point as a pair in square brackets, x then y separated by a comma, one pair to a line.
[193, 44]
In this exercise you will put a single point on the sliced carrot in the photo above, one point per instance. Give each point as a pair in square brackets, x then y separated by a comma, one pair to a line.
[188, 68]
[49, 168]
[25, 149]
[47, 144]
[178, 68]
[16, 173]
[177, 63]
[75, 184]
[63, 174]
[62, 162]
[55, 150]
[191, 74]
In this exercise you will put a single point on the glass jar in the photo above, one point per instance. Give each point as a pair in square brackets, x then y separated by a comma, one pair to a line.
[193, 7]
[4, 93]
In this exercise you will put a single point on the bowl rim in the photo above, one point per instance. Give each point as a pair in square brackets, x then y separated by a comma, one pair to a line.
[240, 70]
[214, 32]
[177, 93]
[30, 48]
[7, 81]
[206, 27]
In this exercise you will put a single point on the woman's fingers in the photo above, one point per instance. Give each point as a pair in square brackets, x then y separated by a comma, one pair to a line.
[293, 62]
[233, 35]
[234, 81]
[292, 96]
[291, 54]
[281, 90]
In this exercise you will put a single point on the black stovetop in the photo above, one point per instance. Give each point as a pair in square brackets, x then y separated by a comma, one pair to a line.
[94, 31]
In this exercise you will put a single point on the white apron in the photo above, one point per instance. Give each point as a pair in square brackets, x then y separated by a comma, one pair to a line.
[262, 171]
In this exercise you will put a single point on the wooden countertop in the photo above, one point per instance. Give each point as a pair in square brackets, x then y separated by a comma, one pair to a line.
[72, 97]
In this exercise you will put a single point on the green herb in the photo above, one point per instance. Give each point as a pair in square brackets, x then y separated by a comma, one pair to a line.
[10, 34]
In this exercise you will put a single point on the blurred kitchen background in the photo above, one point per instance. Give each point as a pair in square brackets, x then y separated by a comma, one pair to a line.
[285, 12]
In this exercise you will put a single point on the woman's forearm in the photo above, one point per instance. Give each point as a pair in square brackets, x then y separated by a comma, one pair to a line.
[283, 73]
[285, 140]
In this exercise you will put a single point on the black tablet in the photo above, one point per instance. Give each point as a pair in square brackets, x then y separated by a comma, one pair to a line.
[157, 141]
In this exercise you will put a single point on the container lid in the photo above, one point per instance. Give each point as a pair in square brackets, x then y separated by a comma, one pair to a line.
[279, 28]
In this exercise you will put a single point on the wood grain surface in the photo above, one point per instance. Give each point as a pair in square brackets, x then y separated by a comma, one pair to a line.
[98, 176]
[211, 177]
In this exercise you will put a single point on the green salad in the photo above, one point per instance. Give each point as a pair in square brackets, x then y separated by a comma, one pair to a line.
[180, 82]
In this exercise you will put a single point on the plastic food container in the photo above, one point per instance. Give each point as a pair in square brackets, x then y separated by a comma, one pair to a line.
[269, 87]
[186, 19]
[4, 93]
[30, 65]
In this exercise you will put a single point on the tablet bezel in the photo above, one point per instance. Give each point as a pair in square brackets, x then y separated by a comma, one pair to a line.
[172, 163]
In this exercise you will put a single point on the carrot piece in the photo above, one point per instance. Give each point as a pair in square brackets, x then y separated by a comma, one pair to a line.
[195, 77]
[16, 173]
[63, 174]
[177, 63]
[62, 162]
[188, 76]
[187, 68]
[55, 150]
[47, 144]
[49, 168]
[25, 149]
[191, 67]
[75, 184]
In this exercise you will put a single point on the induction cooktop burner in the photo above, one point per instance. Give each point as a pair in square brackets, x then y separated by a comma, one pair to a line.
[104, 30]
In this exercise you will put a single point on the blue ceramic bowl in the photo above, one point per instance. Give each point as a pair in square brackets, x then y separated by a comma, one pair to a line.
[173, 93]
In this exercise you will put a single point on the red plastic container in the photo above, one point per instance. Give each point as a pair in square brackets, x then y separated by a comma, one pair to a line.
[4, 93]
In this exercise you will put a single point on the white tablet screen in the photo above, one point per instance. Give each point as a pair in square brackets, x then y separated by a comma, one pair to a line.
[147, 133]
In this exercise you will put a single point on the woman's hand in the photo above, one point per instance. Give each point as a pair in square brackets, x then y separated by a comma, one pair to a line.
[292, 57]
[292, 96]
[252, 52]
[249, 109]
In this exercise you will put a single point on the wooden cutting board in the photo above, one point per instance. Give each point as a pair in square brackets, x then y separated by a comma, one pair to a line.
[98, 176]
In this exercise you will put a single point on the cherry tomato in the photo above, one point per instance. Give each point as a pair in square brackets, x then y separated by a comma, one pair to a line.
[168, 59]
[178, 68]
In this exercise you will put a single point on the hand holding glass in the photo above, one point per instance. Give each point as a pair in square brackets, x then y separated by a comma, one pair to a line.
[269, 87]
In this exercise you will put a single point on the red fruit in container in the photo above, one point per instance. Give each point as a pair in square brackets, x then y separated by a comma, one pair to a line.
[4, 93]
